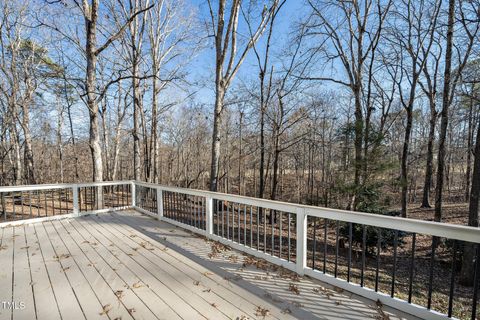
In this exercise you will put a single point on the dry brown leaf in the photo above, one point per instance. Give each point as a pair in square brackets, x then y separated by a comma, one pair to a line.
[294, 288]
[105, 309]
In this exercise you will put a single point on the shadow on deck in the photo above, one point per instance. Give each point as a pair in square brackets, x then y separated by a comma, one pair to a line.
[125, 265]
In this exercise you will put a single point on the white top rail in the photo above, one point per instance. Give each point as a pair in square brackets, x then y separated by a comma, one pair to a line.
[60, 186]
[450, 231]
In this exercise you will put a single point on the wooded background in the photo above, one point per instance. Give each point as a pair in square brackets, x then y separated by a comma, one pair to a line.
[365, 105]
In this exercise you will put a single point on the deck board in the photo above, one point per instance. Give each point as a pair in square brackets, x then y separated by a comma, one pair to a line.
[45, 301]
[188, 289]
[88, 300]
[120, 279]
[6, 271]
[125, 265]
[105, 293]
[22, 281]
[67, 301]
[160, 280]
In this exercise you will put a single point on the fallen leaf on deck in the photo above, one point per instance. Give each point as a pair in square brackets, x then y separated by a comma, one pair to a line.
[294, 288]
[106, 308]
[262, 312]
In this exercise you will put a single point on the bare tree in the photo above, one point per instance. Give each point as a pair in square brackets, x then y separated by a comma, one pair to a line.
[350, 34]
[228, 60]
[450, 81]
[414, 34]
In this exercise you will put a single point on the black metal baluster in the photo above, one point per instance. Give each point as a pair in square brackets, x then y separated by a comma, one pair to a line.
[395, 244]
[217, 205]
[475, 282]
[223, 218]
[289, 238]
[197, 212]
[325, 245]
[13, 203]
[176, 215]
[53, 201]
[239, 225]
[272, 222]
[79, 199]
[233, 222]
[203, 220]
[258, 228]
[452, 279]
[251, 228]
[30, 202]
[38, 203]
[46, 205]
[432, 267]
[190, 213]
[412, 266]
[183, 208]
[314, 242]
[364, 249]
[228, 221]
[21, 203]
[245, 224]
[60, 200]
[379, 247]
[281, 236]
[4, 210]
[168, 202]
[264, 230]
[349, 266]
[336, 248]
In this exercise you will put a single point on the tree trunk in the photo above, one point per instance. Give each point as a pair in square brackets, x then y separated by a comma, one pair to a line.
[91, 83]
[136, 122]
[429, 163]
[28, 152]
[261, 173]
[215, 160]
[404, 166]
[154, 137]
[470, 133]
[467, 272]
[444, 113]
[358, 145]
[17, 162]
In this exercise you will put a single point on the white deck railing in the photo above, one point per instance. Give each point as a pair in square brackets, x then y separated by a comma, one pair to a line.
[412, 264]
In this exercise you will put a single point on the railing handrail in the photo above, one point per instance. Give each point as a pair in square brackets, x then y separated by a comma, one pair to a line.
[33, 187]
[440, 229]
[433, 228]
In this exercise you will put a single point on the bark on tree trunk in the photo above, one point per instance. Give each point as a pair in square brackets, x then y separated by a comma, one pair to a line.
[91, 81]
[358, 145]
[28, 152]
[444, 113]
[429, 163]
[136, 123]
[467, 272]
[469, 149]
[404, 173]
[215, 160]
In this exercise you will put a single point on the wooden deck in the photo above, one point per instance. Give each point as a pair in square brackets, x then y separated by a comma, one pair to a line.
[125, 265]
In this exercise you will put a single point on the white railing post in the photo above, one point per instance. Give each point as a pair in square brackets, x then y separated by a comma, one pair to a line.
[76, 210]
[159, 203]
[208, 215]
[301, 241]
[134, 200]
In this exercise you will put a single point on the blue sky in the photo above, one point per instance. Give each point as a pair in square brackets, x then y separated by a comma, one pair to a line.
[203, 66]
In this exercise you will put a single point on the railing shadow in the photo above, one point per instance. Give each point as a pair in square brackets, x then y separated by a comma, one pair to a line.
[315, 300]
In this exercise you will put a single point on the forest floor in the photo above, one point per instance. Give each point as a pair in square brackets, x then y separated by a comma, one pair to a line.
[455, 213]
